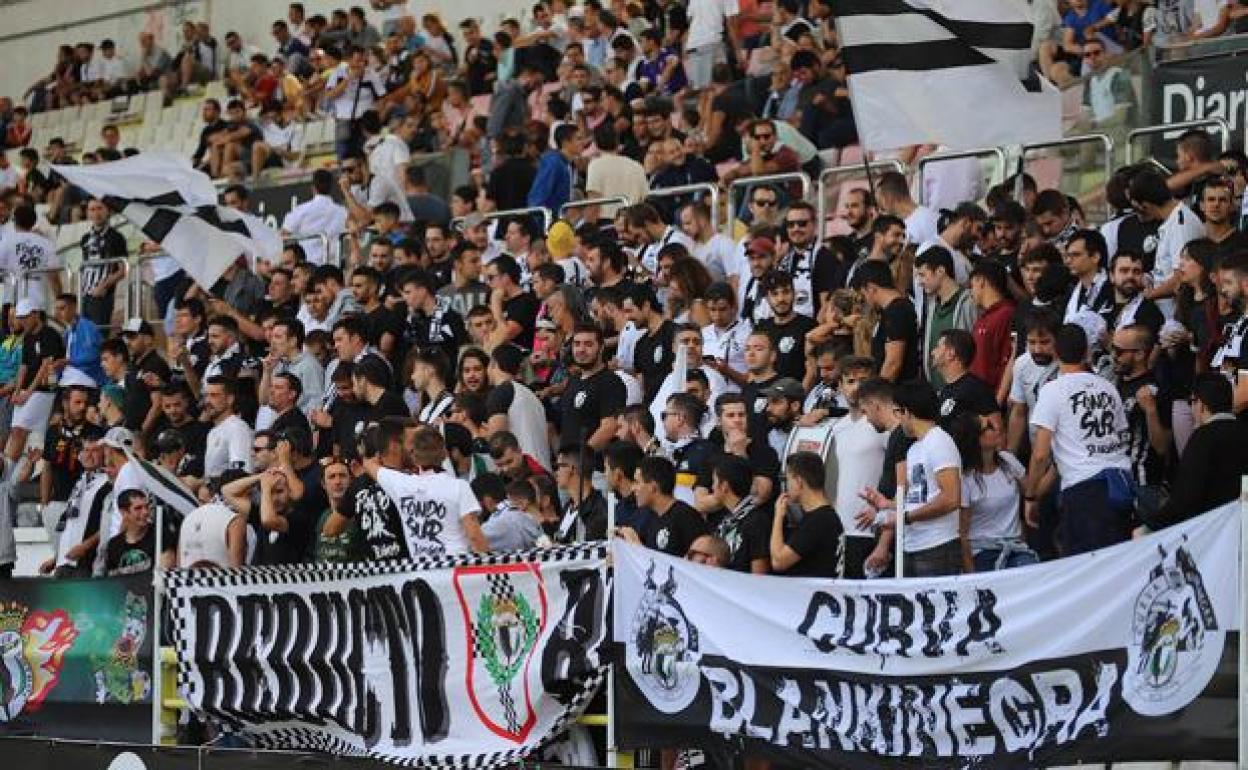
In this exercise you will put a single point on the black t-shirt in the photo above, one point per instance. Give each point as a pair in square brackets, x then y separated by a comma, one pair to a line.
[1147, 314]
[587, 402]
[125, 558]
[369, 505]
[817, 539]
[136, 401]
[653, 358]
[522, 309]
[443, 329]
[293, 546]
[894, 452]
[756, 404]
[747, 533]
[967, 394]
[790, 341]
[60, 449]
[45, 343]
[500, 398]
[194, 437]
[155, 363]
[381, 320]
[898, 323]
[676, 530]
[583, 523]
[391, 404]
[1139, 237]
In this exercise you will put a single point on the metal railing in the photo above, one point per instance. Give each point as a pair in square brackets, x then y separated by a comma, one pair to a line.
[712, 190]
[126, 296]
[983, 152]
[1218, 124]
[323, 238]
[613, 200]
[457, 224]
[823, 186]
[1104, 140]
[136, 286]
[749, 182]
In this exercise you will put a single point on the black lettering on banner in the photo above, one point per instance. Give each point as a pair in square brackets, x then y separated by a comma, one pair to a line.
[366, 721]
[298, 613]
[565, 661]
[255, 627]
[820, 602]
[214, 622]
[279, 654]
[982, 625]
[424, 613]
[326, 632]
[398, 639]
[338, 660]
[896, 615]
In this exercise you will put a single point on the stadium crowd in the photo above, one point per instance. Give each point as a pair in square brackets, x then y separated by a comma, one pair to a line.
[1033, 386]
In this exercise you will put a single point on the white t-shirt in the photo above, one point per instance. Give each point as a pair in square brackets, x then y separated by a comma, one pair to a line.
[859, 459]
[706, 21]
[728, 345]
[381, 189]
[321, 214]
[718, 255]
[228, 446]
[1088, 423]
[927, 457]
[921, 225]
[359, 96]
[385, 155]
[993, 500]
[1181, 227]
[1028, 378]
[23, 252]
[431, 508]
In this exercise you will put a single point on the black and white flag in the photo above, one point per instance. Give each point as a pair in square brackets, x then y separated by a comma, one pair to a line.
[948, 72]
[176, 206]
[166, 488]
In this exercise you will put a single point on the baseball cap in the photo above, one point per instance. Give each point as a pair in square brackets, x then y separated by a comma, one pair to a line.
[761, 246]
[137, 326]
[786, 388]
[119, 438]
[28, 305]
[560, 240]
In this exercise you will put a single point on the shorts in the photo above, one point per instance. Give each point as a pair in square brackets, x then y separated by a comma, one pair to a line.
[699, 62]
[33, 415]
[937, 561]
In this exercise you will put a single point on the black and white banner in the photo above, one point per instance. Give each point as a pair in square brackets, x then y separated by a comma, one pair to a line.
[949, 72]
[1123, 654]
[176, 206]
[469, 661]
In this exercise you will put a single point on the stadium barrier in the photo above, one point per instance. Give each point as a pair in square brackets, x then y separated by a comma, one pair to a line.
[998, 175]
[329, 257]
[457, 224]
[838, 180]
[614, 200]
[694, 190]
[1166, 130]
[746, 184]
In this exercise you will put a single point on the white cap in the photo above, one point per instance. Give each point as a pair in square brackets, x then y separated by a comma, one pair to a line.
[28, 305]
[119, 438]
[72, 376]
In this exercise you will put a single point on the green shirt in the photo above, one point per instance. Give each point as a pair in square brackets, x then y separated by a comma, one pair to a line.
[345, 547]
[943, 317]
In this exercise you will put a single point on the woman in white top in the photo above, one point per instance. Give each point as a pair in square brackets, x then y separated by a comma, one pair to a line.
[991, 492]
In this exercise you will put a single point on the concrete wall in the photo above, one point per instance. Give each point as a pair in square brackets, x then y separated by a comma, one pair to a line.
[32, 30]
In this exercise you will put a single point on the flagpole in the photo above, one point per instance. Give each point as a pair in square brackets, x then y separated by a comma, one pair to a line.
[1243, 613]
[866, 166]
[900, 518]
[158, 578]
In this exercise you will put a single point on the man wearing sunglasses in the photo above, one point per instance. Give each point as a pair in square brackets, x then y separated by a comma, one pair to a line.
[815, 269]
[764, 154]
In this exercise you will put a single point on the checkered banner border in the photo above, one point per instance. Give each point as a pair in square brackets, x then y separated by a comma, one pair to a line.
[296, 737]
[215, 577]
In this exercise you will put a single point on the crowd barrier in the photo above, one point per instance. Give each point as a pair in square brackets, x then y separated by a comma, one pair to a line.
[996, 176]
[547, 216]
[748, 183]
[1218, 124]
[711, 191]
[614, 200]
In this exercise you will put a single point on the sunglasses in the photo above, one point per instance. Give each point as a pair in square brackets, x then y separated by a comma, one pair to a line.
[797, 223]
[765, 203]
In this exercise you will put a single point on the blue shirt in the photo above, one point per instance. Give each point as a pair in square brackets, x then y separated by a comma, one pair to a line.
[1097, 10]
[552, 187]
[82, 341]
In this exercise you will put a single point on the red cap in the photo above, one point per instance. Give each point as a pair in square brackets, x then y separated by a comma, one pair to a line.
[761, 245]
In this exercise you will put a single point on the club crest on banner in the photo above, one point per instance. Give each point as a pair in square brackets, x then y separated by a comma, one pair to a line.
[664, 647]
[32, 652]
[505, 613]
[1176, 642]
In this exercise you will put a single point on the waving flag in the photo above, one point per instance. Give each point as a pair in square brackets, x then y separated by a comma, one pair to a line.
[949, 72]
[176, 206]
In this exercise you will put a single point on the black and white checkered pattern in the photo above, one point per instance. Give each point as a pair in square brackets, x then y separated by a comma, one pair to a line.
[287, 736]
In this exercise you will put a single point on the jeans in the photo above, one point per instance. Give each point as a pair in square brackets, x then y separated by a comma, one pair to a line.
[1088, 521]
[1002, 554]
[943, 559]
[165, 290]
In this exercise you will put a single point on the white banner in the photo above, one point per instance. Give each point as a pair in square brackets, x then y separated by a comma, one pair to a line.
[1024, 661]
[466, 662]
